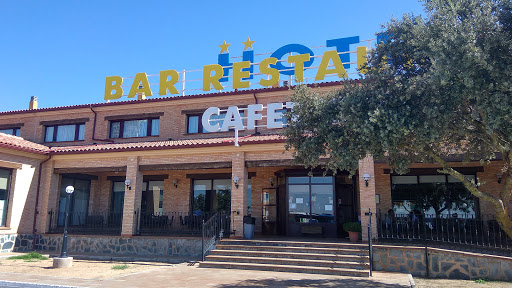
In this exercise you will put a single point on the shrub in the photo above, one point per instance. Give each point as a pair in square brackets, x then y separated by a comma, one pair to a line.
[352, 227]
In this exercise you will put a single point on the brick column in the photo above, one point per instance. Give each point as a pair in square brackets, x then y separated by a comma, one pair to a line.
[132, 197]
[48, 196]
[367, 196]
[238, 195]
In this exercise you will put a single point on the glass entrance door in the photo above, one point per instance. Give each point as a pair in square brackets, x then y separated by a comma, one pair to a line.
[311, 206]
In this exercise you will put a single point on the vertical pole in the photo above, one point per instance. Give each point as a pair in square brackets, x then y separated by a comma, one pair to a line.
[202, 242]
[236, 138]
[183, 83]
[64, 252]
[370, 248]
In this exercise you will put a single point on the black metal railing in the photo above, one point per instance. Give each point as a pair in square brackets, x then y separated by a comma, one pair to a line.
[217, 227]
[172, 223]
[463, 229]
[107, 223]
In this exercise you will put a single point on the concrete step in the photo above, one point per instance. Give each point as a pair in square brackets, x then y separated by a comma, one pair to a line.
[289, 262]
[336, 251]
[334, 245]
[289, 255]
[286, 268]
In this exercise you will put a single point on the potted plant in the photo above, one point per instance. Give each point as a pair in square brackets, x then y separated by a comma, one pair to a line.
[353, 229]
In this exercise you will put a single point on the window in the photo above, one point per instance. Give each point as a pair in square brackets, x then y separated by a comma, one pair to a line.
[61, 133]
[152, 198]
[5, 177]
[134, 128]
[311, 199]
[435, 195]
[79, 201]
[194, 122]
[11, 131]
[210, 196]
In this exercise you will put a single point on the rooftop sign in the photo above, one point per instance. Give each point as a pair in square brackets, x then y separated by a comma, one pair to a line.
[291, 60]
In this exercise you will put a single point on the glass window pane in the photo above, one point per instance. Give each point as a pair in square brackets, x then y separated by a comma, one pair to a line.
[66, 132]
[222, 200]
[119, 186]
[81, 132]
[114, 129]
[326, 180]
[4, 194]
[7, 131]
[298, 180]
[201, 199]
[322, 203]
[193, 124]
[155, 197]
[49, 134]
[432, 179]
[135, 128]
[155, 127]
[455, 180]
[404, 179]
[298, 202]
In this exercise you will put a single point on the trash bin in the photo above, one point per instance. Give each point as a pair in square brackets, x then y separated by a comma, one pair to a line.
[249, 223]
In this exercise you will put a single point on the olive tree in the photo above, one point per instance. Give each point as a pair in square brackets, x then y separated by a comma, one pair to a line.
[440, 85]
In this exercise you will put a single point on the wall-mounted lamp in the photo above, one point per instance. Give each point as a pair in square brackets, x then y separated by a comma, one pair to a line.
[366, 178]
[235, 181]
[499, 175]
[175, 183]
[127, 182]
[271, 180]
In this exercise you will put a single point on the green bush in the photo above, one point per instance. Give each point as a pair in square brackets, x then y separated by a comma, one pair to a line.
[352, 227]
[120, 267]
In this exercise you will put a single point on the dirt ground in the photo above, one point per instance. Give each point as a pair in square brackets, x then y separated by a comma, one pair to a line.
[84, 269]
[424, 283]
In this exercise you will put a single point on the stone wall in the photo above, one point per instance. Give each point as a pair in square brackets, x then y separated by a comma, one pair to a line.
[441, 263]
[125, 246]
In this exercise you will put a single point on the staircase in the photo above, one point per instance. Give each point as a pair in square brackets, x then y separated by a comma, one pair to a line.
[342, 259]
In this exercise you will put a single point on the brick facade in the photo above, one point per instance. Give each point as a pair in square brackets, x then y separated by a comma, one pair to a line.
[268, 159]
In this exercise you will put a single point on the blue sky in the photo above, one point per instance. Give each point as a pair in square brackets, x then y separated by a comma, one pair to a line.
[61, 51]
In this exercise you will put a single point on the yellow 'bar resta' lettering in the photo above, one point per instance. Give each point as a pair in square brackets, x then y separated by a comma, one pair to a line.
[166, 84]
[299, 60]
[338, 66]
[238, 74]
[361, 59]
[209, 79]
[273, 72]
[140, 78]
[113, 83]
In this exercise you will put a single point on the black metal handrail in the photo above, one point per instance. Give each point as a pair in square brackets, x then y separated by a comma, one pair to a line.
[84, 223]
[465, 229]
[214, 229]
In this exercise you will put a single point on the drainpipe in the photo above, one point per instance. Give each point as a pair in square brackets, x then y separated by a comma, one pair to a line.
[34, 230]
[94, 128]
[255, 102]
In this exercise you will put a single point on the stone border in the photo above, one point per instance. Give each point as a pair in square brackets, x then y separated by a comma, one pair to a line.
[442, 263]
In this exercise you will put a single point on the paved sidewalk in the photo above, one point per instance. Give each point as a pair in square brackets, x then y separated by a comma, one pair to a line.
[189, 275]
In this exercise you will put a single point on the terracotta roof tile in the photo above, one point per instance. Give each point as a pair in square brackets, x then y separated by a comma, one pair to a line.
[18, 143]
[171, 144]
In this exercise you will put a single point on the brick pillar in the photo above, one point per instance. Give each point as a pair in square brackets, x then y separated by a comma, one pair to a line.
[367, 196]
[132, 197]
[238, 195]
[48, 194]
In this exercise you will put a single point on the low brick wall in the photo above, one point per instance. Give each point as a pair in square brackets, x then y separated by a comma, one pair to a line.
[441, 263]
[126, 246]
